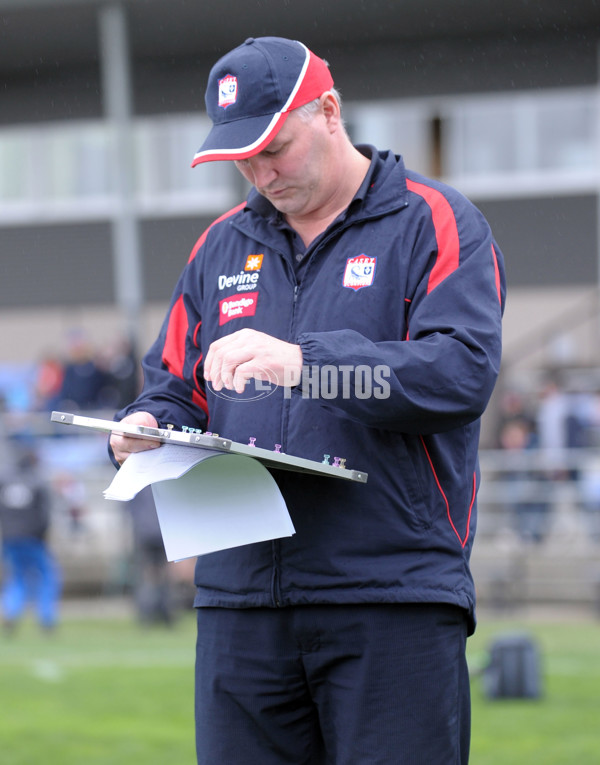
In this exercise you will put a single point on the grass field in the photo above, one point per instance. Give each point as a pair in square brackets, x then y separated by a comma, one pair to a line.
[561, 728]
[106, 692]
[98, 692]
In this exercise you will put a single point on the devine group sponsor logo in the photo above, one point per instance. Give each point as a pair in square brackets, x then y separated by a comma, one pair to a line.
[254, 262]
[237, 307]
[244, 280]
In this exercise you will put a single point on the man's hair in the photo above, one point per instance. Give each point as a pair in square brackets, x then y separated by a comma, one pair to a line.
[308, 111]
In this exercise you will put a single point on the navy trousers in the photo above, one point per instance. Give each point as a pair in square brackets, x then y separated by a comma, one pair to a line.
[333, 685]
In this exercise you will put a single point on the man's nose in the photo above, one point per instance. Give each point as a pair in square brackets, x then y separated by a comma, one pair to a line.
[261, 171]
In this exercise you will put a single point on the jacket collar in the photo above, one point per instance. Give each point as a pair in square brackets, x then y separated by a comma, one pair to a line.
[383, 191]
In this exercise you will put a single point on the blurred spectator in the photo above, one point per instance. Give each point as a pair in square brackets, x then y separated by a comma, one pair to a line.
[513, 405]
[121, 376]
[526, 487]
[48, 383]
[71, 494]
[30, 572]
[564, 419]
[589, 475]
[5, 449]
[552, 426]
[590, 498]
[83, 379]
[153, 587]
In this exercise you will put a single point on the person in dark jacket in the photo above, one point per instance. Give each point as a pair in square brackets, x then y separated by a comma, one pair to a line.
[30, 573]
[152, 586]
[348, 307]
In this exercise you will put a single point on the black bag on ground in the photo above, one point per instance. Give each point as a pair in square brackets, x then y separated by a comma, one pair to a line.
[514, 669]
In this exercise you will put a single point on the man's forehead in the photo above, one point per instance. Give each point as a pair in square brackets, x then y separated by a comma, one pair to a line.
[290, 129]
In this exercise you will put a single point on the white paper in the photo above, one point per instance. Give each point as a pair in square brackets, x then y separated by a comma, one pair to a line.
[205, 500]
[144, 468]
[225, 502]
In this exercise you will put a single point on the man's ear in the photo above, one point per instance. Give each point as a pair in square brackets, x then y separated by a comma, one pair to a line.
[331, 110]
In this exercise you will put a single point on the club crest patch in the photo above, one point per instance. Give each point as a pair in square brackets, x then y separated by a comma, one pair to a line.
[228, 86]
[360, 272]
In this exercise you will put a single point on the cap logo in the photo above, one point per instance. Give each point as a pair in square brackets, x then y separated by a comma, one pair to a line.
[227, 90]
[275, 76]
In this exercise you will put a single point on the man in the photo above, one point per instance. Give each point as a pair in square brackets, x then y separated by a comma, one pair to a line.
[30, 571]
[152, 584]
[370, 298]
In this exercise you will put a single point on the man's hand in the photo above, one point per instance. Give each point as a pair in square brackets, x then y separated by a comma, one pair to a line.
[236, 358]
[123, 446]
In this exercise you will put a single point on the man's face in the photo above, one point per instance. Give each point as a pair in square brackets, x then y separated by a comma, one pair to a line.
[292, 171]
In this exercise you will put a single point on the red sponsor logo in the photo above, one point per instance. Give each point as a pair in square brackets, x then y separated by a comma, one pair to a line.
[237, 306]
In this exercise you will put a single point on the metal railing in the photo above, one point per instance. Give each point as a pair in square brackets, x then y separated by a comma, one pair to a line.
[538, 535]
[538, 530]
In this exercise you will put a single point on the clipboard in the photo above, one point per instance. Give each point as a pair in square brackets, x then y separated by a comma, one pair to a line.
[270, 459]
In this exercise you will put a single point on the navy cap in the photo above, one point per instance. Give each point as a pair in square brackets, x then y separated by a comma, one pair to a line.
[251, 91]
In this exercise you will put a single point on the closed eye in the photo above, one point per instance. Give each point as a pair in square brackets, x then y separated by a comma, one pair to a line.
[275, 150]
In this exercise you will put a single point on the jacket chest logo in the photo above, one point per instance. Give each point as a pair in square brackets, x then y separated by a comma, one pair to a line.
[360, 272]
[243, 280]
[237, 307]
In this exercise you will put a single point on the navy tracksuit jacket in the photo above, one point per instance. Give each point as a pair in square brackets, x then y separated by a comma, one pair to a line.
[397, 309]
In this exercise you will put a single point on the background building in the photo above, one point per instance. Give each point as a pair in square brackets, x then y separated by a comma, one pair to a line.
[102, 108]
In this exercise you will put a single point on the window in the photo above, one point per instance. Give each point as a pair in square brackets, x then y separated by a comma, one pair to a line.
[490, 144]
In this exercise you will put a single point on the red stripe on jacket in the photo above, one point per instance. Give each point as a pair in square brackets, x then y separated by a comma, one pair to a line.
[173, 354]
[446, 232]
[497, 274]
[462, 540]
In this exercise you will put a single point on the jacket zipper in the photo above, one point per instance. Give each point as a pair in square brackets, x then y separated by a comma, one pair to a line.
[276, 544]
[275, 579]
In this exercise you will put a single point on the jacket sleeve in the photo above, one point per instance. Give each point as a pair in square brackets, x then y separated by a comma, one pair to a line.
[173, 389]
[441, 374]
